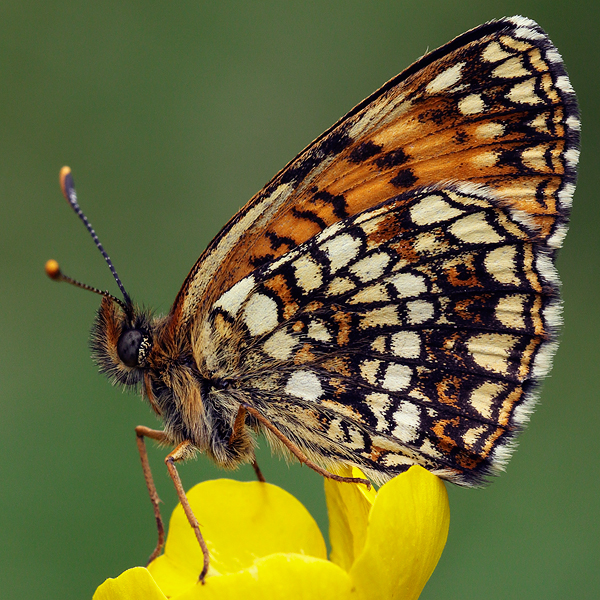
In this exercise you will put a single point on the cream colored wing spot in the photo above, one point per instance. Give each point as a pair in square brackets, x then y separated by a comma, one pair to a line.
[380, 317]
[341, 250]
[540, 122]
[371, 221]
[305, 385]
[490, 131]
[538, 64]
[446, 79]
[429, 242]
[406, 344]
[379, 404]
[395, 460]
[260, 314]
[419, 311]
[233, 298]
[357, 441]
[330, 231]
[510, 69]
[472, 104]
[335, 431]
[535, 157]
[308, 273]
[369, 369]
[492, 350]
[408, 420]
[397, 377]
[379, 344]
[510, 310]
[340, 285]
[318, 331]
[476, 194]
[524, 93]
[371, 267]
[280, 345]
[472, 435]
[408, 285]
[494, 52]
[369, 294]
[483, 397]
[433, 209]
[501, 265]
[282, 260]
[474, 229]
[485, 160]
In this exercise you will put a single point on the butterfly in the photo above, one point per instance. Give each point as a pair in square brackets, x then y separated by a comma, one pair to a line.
[389, 298]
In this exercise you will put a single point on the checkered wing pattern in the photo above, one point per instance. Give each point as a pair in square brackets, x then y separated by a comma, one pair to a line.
[409, 333]
[389, 298]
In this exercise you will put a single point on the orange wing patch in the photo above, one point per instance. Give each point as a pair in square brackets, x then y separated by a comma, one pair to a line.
[491, 110]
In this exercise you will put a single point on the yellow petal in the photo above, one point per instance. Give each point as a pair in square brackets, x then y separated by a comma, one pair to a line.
[134, 584]
[277, 577]
[240, 523]
[407, 531]
[348, 506]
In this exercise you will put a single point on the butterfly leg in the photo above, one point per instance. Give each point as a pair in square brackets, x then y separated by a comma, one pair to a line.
[141, 433]
[238, 427]
[258, 472]
[180, 453]
[299, 454]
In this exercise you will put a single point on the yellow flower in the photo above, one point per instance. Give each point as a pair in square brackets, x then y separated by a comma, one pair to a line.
[264, 544]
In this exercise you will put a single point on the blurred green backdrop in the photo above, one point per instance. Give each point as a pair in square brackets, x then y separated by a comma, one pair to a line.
[172, 115]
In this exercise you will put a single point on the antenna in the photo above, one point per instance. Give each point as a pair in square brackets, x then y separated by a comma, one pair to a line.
[53, 270]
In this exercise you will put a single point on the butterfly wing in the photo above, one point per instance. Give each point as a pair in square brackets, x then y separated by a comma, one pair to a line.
[389, 298]
[413, 332]
[494, 106]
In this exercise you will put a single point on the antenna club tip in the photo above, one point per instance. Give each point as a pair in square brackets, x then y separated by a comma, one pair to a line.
[64, 176]
[53, 270]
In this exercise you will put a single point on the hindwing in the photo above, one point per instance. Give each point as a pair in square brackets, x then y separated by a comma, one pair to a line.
[413, 332]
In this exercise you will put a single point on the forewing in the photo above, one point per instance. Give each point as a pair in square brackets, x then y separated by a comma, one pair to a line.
[494, 107]
[413, 332]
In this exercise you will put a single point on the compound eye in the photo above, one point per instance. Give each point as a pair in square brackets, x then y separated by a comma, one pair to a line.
[128, 347]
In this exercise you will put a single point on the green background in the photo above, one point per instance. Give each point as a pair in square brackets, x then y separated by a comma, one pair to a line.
[171, 115]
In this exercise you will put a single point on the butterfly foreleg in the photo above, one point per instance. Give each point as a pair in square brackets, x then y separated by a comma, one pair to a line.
[181, 452]
[159, 436]
[293, 448]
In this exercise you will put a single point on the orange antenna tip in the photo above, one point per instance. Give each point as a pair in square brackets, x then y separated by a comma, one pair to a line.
[64, 173]
[53, 269]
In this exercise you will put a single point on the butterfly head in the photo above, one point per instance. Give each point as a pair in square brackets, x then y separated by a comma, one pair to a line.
[122, 341]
